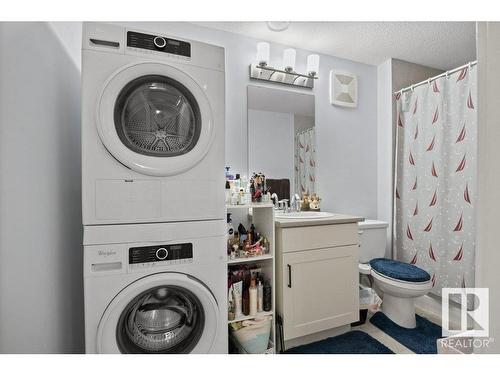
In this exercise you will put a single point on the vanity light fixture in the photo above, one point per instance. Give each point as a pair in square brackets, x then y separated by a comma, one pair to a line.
[289, 55]
[263, 72]
[262, 53]
[312, 65]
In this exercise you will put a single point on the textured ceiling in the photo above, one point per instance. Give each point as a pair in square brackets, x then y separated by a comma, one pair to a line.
[441, 45]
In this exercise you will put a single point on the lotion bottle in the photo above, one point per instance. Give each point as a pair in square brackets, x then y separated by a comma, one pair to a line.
[253, 298]
[260, 297]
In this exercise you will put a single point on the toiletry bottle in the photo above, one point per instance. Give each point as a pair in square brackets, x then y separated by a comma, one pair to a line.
[243, 233]
[253, 297]
[252, 234]
[237, 289]
[230, 304]
[268, 297]
[244, 183]
[260, 297]
[230, 228]
[229, 176]
[230, 234]
[237, 182]
[228, 192]
[246, 300]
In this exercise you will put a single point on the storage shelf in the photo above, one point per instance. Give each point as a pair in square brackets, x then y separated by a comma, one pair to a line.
[249, 259]
[250, 205]
[249, 317]
[262, 216]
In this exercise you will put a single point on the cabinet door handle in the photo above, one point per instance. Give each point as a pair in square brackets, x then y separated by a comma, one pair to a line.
[289, 275]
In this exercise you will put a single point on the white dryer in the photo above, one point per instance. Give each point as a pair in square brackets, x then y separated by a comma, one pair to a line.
[155, 288]
[152, 127]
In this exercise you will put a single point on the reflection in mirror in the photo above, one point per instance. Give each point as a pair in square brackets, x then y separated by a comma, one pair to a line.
[281, 140]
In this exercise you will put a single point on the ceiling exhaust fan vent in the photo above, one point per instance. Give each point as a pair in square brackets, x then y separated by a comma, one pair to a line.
[343, 89]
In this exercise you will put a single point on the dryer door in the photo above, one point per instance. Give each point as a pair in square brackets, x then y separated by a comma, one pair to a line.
[164, 313]
[155, 119]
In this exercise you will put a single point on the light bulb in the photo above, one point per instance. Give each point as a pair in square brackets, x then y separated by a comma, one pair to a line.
[289, 59]
[312, 65]
[262, 53]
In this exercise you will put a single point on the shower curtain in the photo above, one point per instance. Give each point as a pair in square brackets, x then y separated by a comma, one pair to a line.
[436, 178]
[305, 162]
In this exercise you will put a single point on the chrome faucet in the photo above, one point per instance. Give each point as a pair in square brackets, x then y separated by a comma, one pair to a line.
[283, 205]
[295, 203]
[274, 198]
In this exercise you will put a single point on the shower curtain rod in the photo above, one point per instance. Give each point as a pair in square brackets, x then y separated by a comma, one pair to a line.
[429, 80]
[305, 131]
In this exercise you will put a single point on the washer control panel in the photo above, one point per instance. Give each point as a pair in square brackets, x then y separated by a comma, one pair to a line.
[158, 43]
[160, 255]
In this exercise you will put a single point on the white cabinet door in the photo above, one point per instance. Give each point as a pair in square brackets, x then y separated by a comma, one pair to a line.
[320, 290]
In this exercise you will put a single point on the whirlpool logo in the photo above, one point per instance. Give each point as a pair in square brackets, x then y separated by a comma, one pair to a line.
[106, 253]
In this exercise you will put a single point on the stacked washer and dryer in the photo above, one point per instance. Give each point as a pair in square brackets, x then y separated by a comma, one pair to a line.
[153, 198]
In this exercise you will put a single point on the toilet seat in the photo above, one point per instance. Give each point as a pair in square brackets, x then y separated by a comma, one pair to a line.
[401, 284]
[399, 271]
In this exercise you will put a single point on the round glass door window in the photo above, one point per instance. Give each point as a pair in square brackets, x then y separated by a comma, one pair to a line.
[164, 319]
[157, 116]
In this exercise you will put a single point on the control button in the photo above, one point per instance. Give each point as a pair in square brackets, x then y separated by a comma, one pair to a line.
[159, 42]
[161, 253]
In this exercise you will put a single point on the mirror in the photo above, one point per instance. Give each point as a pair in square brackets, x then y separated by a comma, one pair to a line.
[281, 140]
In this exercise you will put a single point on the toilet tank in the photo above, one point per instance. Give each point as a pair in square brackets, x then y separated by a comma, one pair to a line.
[372, 239]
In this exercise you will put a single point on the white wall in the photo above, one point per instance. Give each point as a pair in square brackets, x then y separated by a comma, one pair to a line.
[347, 138]
[267, 131]
[385, 152]
[41, 285]
[487, 248]
[392, 75]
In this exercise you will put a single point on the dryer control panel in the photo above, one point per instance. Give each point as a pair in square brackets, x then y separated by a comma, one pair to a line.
[158, 43]
[160, 254]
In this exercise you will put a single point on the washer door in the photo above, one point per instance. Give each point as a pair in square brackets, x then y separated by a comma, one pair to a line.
[155, 119]
[165, 313]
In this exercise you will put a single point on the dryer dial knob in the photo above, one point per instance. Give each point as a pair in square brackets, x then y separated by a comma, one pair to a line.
[159, 42]
[161, 253]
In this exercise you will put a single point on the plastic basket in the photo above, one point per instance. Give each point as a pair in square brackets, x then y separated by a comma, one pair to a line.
[253, 339]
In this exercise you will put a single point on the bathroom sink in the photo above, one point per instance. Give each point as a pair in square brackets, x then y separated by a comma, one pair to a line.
[304, 215]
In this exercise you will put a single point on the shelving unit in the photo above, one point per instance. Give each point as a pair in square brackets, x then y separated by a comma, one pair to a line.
[262, 216]
[248, 317]
[249, 259]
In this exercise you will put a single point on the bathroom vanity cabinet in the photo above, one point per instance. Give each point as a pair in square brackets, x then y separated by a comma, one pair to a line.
[317, 274]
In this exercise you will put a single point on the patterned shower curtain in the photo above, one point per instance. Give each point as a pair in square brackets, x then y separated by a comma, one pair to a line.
[305, 162]
[436, 178]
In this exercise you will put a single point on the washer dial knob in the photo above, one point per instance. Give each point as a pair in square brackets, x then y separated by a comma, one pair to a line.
[161, 253]
[159, 42]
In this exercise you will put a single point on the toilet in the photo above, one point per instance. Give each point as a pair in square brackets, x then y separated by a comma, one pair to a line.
[400, 282]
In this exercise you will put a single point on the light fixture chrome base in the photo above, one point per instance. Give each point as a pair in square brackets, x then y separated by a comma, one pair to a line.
[269, 74]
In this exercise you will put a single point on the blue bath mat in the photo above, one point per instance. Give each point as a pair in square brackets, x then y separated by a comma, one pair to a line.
[353, 342]
[421, 339]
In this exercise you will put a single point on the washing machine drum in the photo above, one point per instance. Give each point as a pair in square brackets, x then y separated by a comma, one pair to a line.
[157, 116]
[165, 319]
[170, 313]
[155, 119]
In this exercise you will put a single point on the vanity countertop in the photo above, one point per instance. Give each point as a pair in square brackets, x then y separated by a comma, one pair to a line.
[335, 219]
